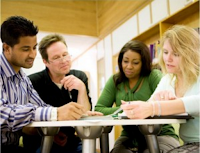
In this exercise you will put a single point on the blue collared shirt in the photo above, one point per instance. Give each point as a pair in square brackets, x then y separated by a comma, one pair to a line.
[20, 104]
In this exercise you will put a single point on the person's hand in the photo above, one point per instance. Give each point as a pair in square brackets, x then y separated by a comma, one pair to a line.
[60, 139]
[30, 130]
[94, 113]
[71, 82]
[137, 109]
[164, 95]
[70, 111]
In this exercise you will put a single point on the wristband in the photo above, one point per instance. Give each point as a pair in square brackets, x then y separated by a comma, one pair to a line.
[53, 114]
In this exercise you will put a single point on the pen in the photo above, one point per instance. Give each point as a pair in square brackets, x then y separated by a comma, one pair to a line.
[117, 111]
[70, 95]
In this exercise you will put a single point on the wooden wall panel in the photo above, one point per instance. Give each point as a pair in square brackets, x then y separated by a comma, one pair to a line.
[112, 13]
[68, 17]
[82, 17]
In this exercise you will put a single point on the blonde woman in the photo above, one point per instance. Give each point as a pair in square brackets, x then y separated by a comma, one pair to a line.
[179, 90]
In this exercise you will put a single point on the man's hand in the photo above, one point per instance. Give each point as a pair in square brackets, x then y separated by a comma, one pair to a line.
[71, 82]
[70, 111]
[30, 130]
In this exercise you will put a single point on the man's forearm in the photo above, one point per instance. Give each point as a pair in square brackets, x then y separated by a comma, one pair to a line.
[83, 99]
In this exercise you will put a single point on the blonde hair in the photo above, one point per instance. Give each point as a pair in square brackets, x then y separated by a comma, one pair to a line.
[184, 41]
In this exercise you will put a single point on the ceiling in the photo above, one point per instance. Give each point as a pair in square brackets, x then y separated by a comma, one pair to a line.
[81, 22]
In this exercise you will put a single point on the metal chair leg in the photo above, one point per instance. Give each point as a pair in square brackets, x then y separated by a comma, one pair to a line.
[48, 134]
[150, 132]
[104, 139]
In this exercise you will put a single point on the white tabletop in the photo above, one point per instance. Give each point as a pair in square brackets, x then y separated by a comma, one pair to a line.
[89, 142]
[99, 122]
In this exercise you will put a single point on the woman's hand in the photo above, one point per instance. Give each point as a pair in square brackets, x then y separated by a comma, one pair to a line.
[137, 109]
[163, 95]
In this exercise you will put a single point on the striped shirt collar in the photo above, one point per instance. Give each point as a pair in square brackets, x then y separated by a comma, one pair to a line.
[8, 70]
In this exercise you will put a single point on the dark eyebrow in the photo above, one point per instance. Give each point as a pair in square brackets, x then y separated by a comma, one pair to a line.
[133, 59]
[125, 57]
[28, 46]
[25, 47]
[35, 45]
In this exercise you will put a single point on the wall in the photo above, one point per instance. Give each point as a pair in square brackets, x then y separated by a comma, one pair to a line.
[88, 63]
[64, 16]
[112, 14]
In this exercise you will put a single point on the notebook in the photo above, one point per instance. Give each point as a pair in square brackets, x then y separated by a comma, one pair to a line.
[175, 116]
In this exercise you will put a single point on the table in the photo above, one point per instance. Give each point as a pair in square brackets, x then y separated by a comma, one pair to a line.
[90, 129]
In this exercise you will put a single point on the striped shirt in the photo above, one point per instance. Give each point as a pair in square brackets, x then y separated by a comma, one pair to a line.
[20, 104]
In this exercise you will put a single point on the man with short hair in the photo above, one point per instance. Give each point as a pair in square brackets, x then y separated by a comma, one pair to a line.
[58, 85]
[20, 104]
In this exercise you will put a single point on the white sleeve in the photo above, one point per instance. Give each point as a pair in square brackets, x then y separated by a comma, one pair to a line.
[191, 99]
[166, 83]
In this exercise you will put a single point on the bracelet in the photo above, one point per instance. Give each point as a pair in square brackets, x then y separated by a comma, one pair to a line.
[153, 108]
[159, 108]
